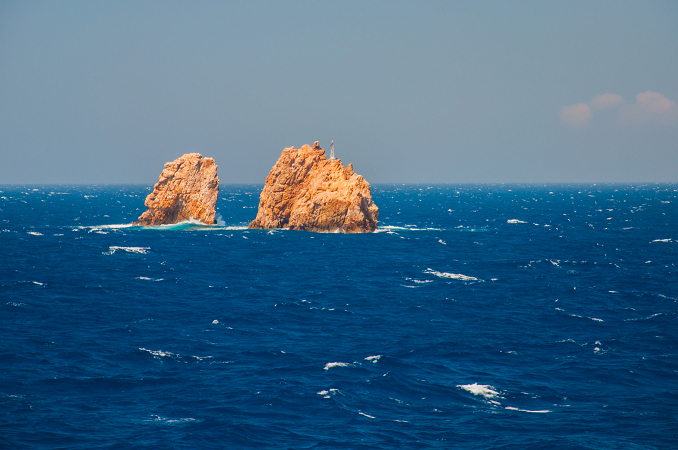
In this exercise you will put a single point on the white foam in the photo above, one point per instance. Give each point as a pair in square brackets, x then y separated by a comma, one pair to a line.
[643, 318]
[374, 359]
[113, 226]
[156, 418]
[414, 280]
[543, 411]
[515, 221]
[160, 354]
[454, 276]
[113, 249]
[326, 394]
[328, 366]
[35, 233]
[366, 415]
[190, 223]
[485, 390]
[215, 322]
[407, 228]
[662, 240]
[149, 279]
[157, 352]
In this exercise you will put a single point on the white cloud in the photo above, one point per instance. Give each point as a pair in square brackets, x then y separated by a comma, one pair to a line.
[606, 101]
[577, 115]
[651, 107]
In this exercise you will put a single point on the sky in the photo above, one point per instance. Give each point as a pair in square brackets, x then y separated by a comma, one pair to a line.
[106, 92]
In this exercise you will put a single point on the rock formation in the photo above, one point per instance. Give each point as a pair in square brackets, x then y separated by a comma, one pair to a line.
[307, 191]
[188, 188]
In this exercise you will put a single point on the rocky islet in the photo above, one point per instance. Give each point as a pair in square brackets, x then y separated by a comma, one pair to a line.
[188, 188]
[304, 191]
[307, 191]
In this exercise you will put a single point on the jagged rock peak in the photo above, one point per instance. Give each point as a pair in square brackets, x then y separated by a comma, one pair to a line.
[307, 191]
[187, 189]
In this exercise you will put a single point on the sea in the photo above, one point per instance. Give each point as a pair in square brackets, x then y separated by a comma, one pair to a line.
[478, 316]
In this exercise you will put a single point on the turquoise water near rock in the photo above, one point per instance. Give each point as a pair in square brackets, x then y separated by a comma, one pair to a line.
[478, 316]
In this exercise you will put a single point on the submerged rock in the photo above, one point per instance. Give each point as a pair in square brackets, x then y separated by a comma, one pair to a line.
[307, 191]
[188, 188]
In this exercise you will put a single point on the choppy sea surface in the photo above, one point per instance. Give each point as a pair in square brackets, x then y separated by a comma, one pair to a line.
[477, 317]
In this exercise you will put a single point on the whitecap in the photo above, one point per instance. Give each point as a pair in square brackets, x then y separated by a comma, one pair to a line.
[442, 242]
[366, 415]
[515, 221]
[328, 366]
[408, 228]
[149, 279]
[643, 318]
[418, 281]
[156, 418]
[374, 359]
[157, 352]
[35, 233]
[662, 240]
[485, 390]
[454, 276]
[113, 249]
[543, 411]
[112, 226]
[161, 354]
[326, 393]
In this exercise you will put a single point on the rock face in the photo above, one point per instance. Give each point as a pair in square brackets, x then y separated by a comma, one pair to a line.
[188, 188]
[307, 191]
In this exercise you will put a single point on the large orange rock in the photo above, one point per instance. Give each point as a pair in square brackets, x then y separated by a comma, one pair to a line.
[307, 191]
[187, 189]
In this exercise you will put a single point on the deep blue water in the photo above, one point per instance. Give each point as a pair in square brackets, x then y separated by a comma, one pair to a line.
[479, 316]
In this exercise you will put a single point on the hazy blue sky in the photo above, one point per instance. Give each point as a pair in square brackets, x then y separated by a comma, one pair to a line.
[439, 92]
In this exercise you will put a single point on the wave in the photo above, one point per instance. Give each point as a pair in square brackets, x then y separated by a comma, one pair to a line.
[158, 354]
[484, 390]
[527, 410]
[115, 225]
[160, 419]
[328, 366]
[405, 228]
[141, 250]
[454, 276]
[327, 394]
